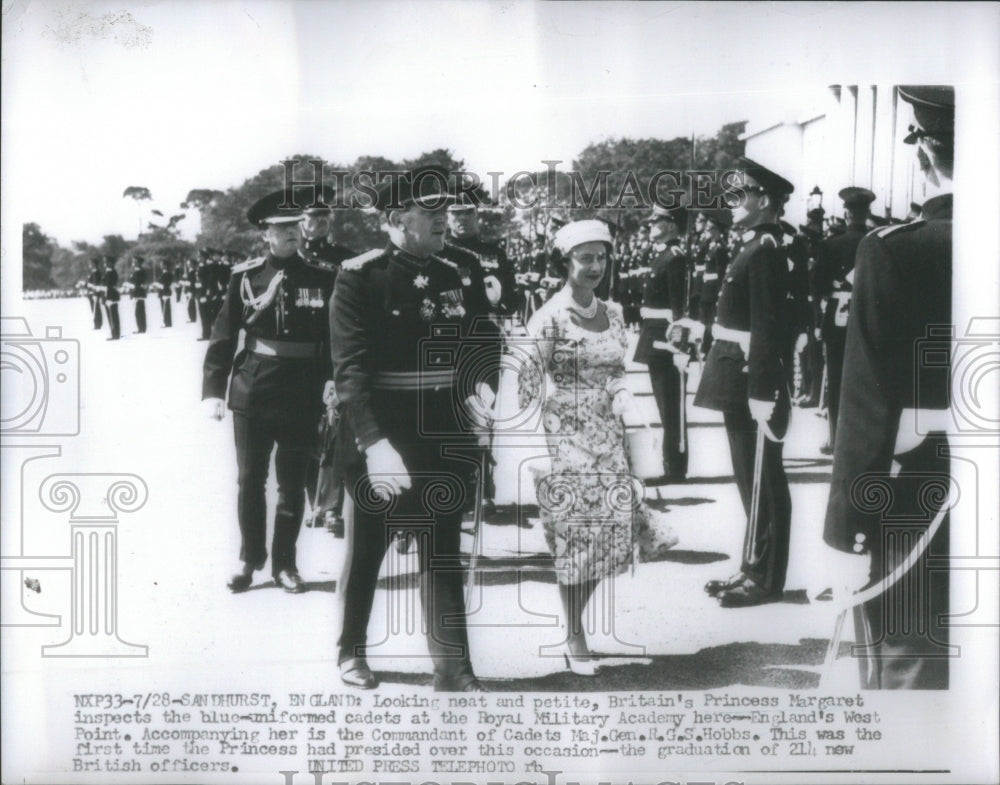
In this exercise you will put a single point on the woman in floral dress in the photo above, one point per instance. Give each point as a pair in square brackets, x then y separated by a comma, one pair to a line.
[590, 505]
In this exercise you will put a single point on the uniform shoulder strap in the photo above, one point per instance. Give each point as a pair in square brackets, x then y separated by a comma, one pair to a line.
[884, 231]
[249, 264]
[360, 261]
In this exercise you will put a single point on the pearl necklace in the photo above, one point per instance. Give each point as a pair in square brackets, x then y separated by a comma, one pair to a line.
[585, 313]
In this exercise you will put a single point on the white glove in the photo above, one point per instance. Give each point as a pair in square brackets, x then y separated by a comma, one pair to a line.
[479, 407]
[761, 411]
[623, 403]
[800, 343]
[215, 408]
[493, 289]
[386, 470]
[330, 394]
[681, 361]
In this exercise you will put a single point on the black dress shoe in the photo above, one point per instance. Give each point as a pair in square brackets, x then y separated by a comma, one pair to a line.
[715, 588]
[356, 673]
[241, 581]
[466, 685]
[747, 595]
[290, 581]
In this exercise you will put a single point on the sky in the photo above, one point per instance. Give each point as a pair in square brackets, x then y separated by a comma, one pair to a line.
[205, 93]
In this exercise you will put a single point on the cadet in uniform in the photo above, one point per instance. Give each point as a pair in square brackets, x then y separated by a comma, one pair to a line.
[894, 410]
[716, 229]
[745, 379]
[204, 283]
[831, 291]
[463, 227]
[663, 304]
[138, 281]
[111, 296]
[810, 236]
[276, 393]
[163, 291]
[324, 488]
[486, 276]
[95, 286]
[398, 321]
[189, 283]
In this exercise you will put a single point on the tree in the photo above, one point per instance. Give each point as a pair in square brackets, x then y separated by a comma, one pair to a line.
[38, 250]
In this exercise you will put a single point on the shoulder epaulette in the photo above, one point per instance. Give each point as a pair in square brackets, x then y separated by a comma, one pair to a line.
[885, 231]
[360, 261]
[767, 239]
[249, 264]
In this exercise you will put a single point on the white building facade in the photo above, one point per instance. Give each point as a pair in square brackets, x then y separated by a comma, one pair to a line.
[850, 135]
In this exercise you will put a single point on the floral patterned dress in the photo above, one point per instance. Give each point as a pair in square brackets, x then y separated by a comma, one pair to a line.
[590, 505]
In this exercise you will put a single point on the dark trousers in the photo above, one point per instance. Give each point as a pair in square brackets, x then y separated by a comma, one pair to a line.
[770, 533]
[835, 343]
[435, 517]
[140, 314]
[97, 311]
[165, 310]
[256, 437]
[812, 369]
[205, 314]
[902, 634]
[192, 308]
[666, 383]
[113, 321]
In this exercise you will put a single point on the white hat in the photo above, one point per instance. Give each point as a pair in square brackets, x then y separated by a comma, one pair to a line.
[579, 232]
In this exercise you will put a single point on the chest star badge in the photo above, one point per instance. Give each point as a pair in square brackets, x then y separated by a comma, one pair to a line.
[420, 282]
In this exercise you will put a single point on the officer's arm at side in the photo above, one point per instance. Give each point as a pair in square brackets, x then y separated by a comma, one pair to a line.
[766, 306]
[348, 350]
[222, 345]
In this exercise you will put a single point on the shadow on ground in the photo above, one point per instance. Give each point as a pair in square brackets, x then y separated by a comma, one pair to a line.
[751, 664]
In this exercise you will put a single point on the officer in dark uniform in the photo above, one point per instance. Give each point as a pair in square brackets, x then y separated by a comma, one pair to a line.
[894, 409]
[831, 292]
[111, 297]
[204, 285]
[399, 336]
[662, 305]
[809, 237]
[464, 232]
[716, 254]
[95, 287]
[486, 276]
[163, 289]
[745, 379]
[797, 308]
[280, 302]
[138, 281]
[324, 488]
[189, 284]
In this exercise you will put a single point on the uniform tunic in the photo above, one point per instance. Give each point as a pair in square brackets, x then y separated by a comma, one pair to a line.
[897, 357]
[404, 362]
[831, 293]
[750, 364]
[275, 391]
[663, 303]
